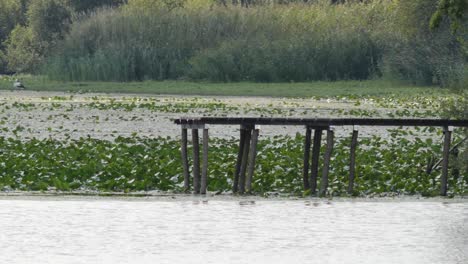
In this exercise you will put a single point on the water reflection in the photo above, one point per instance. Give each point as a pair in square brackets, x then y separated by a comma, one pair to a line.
[248, 231]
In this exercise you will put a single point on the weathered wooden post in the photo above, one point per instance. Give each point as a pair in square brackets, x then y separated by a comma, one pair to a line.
[196, 161]
[235, 185]
[305, 171]
[185, 163]
[445, 161]
[252, 157]
[352, 161]
[245, 156]
[204, 176]
[456, 168]
[326, 162]
[315, 160]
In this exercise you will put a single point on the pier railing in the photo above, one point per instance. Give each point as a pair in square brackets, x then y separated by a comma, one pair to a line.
[249, 133]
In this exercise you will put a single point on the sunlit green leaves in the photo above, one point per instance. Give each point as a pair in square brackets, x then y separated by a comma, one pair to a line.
[394, 165]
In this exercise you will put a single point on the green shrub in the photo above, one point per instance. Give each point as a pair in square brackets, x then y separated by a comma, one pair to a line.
[334, 57]
[27, 45]
[12, 13]
[421, 55]
[49, 19]
[159, 40]
[21, 50]
[87, 5]
[220, 44]
[3, 62]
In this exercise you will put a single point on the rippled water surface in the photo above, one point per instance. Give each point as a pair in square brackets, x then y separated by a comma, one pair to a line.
[185, 231]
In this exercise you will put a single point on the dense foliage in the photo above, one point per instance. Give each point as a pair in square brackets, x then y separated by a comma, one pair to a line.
[225, 41]
[30, 30]
[384, 166]
[455, 10]
[292, 42]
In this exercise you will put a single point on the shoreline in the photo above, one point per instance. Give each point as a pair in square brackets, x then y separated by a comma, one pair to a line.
[180, 197]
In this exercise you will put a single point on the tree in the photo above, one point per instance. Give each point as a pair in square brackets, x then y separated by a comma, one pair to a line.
[12, 12]
[455, 10]
[3, 62]
[21, 50]
[49, 19]
[27, 45]
[29, 30]
[87, 5]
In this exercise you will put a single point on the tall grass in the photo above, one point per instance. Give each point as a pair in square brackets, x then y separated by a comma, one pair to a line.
[295, 42]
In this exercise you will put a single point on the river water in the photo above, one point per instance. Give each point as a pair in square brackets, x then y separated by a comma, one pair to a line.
[85, 230]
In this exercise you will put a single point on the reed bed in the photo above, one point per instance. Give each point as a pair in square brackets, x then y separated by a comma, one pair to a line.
[263, 43]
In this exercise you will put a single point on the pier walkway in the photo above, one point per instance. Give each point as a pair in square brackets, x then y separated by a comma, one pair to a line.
[249, 132]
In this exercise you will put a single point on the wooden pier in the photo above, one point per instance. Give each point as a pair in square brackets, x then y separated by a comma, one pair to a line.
[249, 133]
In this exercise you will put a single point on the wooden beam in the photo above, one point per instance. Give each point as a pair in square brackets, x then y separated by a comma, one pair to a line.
[245, 156]
[252, 157]
[235, 185]
[326, 162]
[185, 163]
[322, 122]
[204, 176]
[315, 160]
[305, 168]
[193, 126]
[352, 162]
[445, 162]
[196, 161]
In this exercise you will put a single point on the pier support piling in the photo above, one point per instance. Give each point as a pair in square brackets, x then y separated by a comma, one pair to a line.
[352, 162]
[252, 157]
[456, 168]
[245, 156]
[185, 163]
[204, 176]
[315, 160]
[326, 162]
[445, 161]
[305, 171]
[196, 161]
[235, 185]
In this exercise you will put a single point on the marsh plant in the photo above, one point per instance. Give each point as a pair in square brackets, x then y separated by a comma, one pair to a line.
[393, 165]
[267, 42]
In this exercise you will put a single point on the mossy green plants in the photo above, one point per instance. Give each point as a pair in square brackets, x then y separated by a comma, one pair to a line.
[393, 165]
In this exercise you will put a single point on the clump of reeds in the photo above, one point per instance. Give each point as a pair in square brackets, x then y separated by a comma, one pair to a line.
[202, 40]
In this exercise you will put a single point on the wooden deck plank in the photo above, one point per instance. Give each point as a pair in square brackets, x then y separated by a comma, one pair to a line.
[321, 122]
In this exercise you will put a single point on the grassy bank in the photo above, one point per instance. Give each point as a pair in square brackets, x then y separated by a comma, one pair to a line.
[317, 89]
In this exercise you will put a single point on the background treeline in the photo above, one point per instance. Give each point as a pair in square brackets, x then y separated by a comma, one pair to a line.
[31, 29]
[238, 40]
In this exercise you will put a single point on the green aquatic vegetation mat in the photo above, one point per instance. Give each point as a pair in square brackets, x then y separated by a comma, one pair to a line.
[392, 105]
[394, 165]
